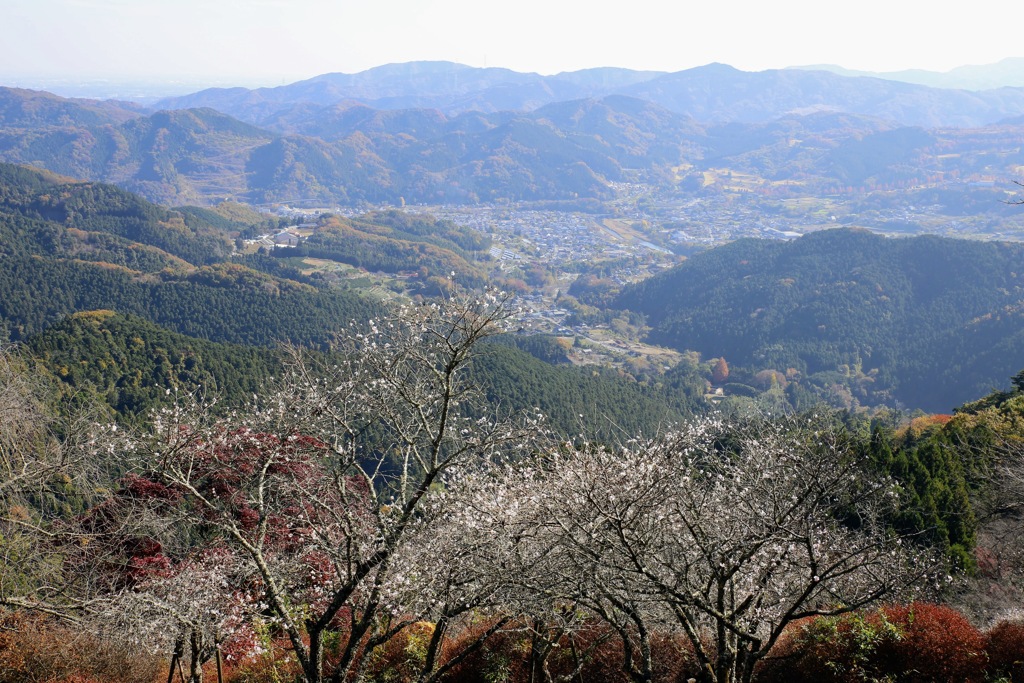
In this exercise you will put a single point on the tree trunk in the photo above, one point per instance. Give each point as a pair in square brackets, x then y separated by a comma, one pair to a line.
[645, 653]
[195, 667]
[312, 668]
[749, 654]
[220, 666]
[540, 648]
[434, 648]
[725, 664]
[175, 657]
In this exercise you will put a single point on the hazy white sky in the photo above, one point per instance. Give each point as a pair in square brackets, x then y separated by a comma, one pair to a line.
[276, 41]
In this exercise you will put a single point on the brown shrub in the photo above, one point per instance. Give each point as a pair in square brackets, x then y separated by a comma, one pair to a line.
[503, 657]
[791, 656]
[34, 649]
[938, 644]
[674, 659]
[597, 647]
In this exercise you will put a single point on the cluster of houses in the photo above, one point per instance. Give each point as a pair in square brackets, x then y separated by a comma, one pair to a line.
[289, 237]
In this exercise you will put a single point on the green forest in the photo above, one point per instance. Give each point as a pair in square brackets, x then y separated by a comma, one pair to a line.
[919, 321]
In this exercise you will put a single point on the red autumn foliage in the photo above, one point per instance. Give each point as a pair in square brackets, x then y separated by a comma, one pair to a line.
[141, 488]
[507, 656]
[1005, 646]
[105, 544]
[143, 567]
[916, 643]
[938, 644]
[227, 466]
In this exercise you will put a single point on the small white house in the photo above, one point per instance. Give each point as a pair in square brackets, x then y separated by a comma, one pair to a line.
[286, 239]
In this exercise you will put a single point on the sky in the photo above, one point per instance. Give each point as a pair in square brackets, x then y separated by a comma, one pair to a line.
[272, 42]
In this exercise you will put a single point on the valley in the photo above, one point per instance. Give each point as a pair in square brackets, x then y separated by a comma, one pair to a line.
[567, 268]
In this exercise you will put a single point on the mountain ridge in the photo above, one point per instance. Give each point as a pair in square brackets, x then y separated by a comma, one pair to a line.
[353, 154]
[455, 88]
[1008, 72]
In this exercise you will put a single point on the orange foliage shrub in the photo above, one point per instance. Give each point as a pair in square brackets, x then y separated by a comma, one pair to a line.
[920, 425]
[937, 644]
[34, 649]
[720, 371]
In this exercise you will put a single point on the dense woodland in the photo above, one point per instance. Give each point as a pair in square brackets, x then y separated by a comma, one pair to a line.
[921, 321]
[128, 364]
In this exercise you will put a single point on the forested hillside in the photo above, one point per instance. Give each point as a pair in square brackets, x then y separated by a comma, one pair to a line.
[181, 157]
[926, 321]
[122, 300]
[70, 247]
[394, 242]
[133, 366]
[605, 404]
[107, 212]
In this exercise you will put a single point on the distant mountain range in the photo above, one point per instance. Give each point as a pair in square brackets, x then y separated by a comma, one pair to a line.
[436, 132]
[346, 154]
[713, 93]
[1007, 73]
[20, 108]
